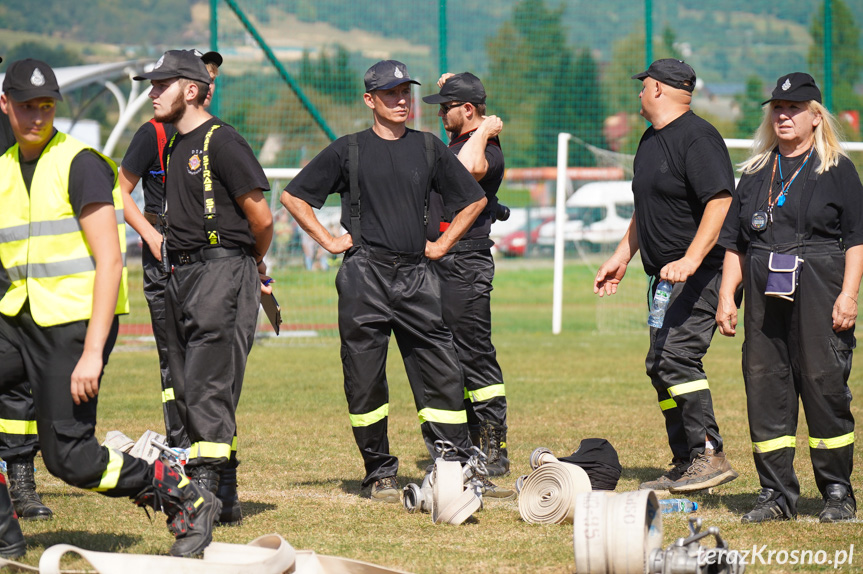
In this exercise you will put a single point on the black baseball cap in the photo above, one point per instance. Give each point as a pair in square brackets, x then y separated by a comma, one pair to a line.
[179, 64]
[387, 74]
[795, 87]
[210, 58]
[464, 87]
[671, 71]
[28, 79]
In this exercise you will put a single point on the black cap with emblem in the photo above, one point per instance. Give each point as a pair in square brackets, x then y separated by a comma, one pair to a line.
[670, 71]
[795, 87]
[29, 79]
[387, 74]
[179, 64]
[464, 87]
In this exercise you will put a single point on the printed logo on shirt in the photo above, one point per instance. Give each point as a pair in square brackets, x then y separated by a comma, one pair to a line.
[193, 167]
[664, 167]
[415, 176]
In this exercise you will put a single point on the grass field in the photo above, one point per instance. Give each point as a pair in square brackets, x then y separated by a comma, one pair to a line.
[301, 472]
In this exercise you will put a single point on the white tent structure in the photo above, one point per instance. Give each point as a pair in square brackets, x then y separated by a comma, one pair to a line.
[73, 77]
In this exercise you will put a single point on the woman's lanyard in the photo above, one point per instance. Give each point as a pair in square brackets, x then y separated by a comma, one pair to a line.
[779, 200]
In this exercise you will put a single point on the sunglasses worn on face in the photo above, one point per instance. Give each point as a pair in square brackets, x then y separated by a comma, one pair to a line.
[447, 107]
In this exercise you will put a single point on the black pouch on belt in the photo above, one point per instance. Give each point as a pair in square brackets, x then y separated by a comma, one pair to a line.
[783, 273]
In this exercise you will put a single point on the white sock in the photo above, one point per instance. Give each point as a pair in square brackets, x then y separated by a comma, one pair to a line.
[709, 444]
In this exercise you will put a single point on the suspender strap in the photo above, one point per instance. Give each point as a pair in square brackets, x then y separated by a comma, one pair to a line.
[429, 145]
[354, 177]
[161, 141]
[211, 222]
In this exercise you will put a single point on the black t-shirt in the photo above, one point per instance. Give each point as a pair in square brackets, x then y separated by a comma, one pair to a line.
[833, 206]
[234, 171]
[489, 183]
[142, 159]
[7, 138]
[677, 170]
[393, 175]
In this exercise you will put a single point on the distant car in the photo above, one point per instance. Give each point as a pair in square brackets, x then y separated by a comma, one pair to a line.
[597, 214]
[517, 243]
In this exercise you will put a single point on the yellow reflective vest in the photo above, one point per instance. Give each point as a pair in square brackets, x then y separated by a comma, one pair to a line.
[42, 245]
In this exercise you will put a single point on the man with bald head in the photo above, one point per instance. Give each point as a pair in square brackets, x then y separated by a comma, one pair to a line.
[682, 185]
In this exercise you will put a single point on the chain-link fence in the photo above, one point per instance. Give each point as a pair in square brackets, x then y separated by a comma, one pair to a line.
[292, 82]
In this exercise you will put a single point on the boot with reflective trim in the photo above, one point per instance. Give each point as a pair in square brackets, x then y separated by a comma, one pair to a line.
[492, 441]
[191, 510]
[22, 489]
[232, 513]
[839, 504]
[12, 543]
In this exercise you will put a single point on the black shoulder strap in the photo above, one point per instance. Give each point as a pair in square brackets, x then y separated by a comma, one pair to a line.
[354, 178]
[429, 145]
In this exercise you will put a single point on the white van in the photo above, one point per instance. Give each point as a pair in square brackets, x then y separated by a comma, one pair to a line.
[598, 213]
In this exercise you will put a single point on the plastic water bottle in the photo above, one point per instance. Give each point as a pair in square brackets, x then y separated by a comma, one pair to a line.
[677, 505]
[660, 304]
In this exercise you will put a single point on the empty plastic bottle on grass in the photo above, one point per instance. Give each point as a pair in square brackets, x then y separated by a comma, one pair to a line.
[677, 505]
[660, 304]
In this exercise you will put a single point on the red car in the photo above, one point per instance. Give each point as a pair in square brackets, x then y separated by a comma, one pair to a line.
[517, 243]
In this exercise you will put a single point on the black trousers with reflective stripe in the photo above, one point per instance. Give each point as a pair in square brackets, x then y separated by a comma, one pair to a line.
[211, 313]
[465, 286]
[70, 449]
[155, 282]
[675, 358]
[792, 354]
[16, 406]
[378, 297]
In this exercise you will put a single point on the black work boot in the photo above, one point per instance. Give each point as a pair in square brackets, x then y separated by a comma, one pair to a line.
[22, 489]
[767, 508]
[191, 510]
[492, 440]
[12, 543]
[232, 513]
[206, 477]
[839, 504]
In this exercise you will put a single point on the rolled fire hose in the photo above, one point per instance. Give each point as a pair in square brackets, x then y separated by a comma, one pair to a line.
[452, 503]
[547, 495]
[269, 554]
[616, 533]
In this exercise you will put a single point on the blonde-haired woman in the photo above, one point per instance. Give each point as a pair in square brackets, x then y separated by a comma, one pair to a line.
[794, 238]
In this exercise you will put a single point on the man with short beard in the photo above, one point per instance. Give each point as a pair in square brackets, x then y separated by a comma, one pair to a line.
[218, 229]
[144, 161]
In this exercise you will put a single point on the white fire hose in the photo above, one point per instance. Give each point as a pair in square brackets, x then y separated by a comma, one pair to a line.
[450, 492]
[269, 554]
[547, 495]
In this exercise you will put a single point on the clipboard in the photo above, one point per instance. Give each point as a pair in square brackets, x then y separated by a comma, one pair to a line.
[273, 310]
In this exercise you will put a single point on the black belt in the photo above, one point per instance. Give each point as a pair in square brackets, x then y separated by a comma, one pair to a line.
[394, 257]
[205, 254]
[472, 245]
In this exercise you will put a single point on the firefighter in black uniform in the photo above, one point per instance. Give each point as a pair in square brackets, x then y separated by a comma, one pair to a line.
[219, 228]
[19, 442]
[144, 161]
[799, 207]
[467, 270]
[682, 186]
[61, 242]
[384, 175]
